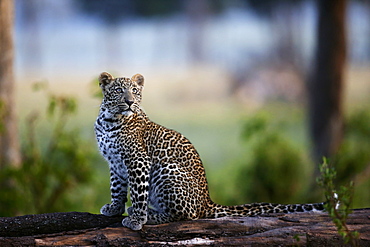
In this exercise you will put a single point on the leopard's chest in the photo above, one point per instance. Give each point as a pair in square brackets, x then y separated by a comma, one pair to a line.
[111, 144]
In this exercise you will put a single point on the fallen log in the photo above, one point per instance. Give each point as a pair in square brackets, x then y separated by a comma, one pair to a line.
[29, 225]
[75, 228]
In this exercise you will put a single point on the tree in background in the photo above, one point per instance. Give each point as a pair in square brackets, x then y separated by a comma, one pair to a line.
[9, 145]
[326, 82]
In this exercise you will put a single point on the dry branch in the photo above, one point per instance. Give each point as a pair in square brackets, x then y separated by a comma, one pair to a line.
[73, 228]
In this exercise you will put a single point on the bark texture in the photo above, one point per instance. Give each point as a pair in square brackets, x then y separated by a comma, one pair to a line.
[73, 228]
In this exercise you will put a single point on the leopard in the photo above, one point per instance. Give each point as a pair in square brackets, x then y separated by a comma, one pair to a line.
[159, 166]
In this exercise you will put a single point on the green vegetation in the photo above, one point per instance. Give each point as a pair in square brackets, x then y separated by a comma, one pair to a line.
[276, 166]
[273, 170]
[353, 159]
[273, 157]
[54, 170]
[338, 202]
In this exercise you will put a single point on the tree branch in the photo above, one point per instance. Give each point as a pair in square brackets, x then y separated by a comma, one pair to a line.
[74, 228]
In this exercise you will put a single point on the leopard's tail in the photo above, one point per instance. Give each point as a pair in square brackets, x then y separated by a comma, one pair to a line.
[253, 209]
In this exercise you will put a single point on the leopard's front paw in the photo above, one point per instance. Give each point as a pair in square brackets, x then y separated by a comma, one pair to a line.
[132, 223]
[112, 209]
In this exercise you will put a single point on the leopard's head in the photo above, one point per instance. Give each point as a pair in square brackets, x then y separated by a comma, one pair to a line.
[121, 95]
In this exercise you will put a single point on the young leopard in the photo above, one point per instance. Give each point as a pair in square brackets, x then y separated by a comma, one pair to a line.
[160, 166]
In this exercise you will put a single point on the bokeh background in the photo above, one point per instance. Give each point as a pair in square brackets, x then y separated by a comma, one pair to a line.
[231, 75]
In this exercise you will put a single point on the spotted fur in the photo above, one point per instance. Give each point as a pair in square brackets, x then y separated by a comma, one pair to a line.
[160, 166]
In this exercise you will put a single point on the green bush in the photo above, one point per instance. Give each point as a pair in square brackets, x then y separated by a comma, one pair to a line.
[354, 155]
[276, 172]
[274, 169]
[53, 170]
[339, 202]
[352, 162]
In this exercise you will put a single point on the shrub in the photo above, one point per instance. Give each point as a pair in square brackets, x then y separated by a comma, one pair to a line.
[273, 171]
[51, 169]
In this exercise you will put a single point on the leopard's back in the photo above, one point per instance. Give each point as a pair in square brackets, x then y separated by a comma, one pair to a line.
[178, 183]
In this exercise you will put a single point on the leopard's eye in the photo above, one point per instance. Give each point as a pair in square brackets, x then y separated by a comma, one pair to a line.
[135, 90]
[119, 90]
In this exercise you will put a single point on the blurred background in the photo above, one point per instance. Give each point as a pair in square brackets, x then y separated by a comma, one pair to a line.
[263, 89]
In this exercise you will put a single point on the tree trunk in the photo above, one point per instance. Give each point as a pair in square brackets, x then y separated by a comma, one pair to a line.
[9, 146]
[75, 229]
[326, 84]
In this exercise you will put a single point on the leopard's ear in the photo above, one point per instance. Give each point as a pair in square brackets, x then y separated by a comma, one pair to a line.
[104, 79]
[139, 79]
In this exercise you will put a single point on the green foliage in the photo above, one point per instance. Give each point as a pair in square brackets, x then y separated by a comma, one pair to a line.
[354, 155]
[353, 158]
[273, 157]
[297, 238]
[338, 202]
[274, 170]
[276, 166]
[51, 168]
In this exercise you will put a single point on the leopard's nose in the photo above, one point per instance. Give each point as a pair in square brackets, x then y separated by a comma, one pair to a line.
[129, 102]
